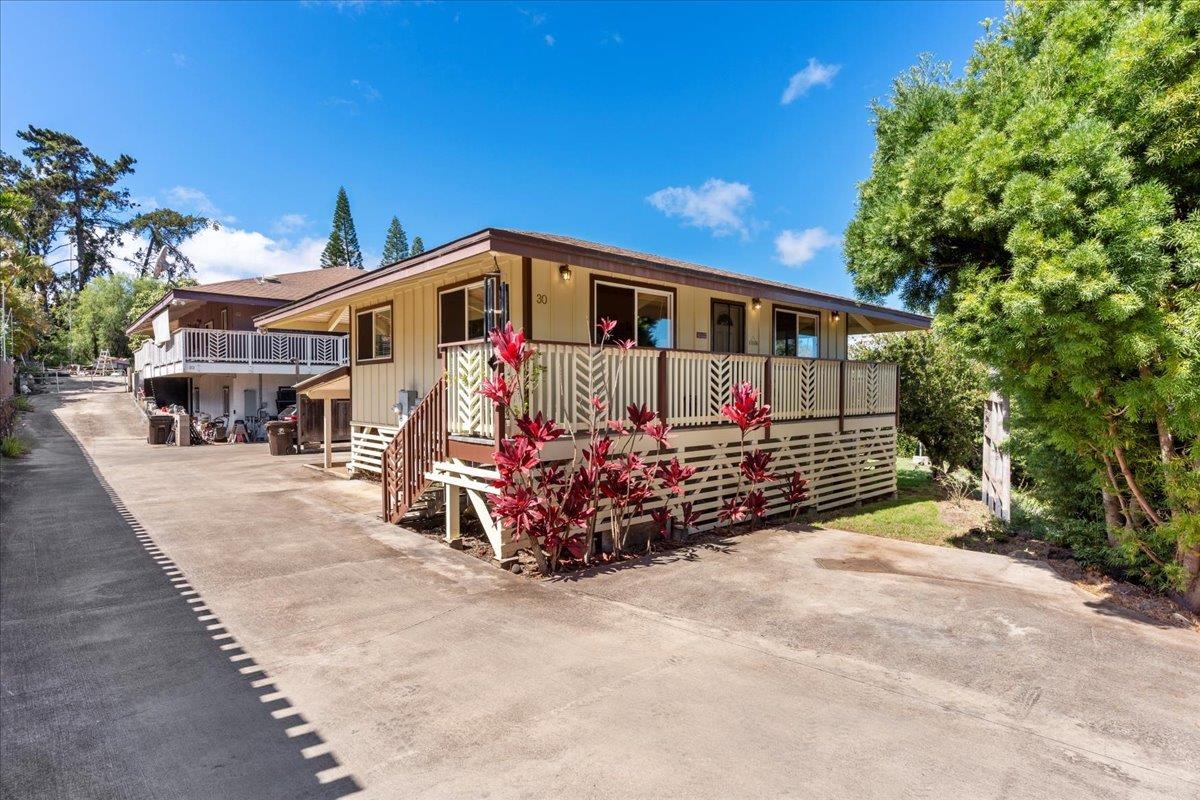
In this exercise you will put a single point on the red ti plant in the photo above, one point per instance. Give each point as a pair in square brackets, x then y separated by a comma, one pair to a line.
[556, 507]
[749, 500]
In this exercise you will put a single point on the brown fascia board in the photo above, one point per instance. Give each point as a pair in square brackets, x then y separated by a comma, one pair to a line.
[186, 293]
[527, 245]
[520, 244]
[450, 253]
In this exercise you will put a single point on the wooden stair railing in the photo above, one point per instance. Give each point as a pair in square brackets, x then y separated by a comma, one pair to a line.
[420, 442]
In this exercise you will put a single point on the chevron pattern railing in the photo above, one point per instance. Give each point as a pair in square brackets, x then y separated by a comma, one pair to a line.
[686, 387]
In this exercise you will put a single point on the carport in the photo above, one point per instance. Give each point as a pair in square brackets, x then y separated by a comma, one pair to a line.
[329, 394]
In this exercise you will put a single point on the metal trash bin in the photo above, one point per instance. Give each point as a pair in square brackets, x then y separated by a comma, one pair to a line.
[160, 428]
[281, 435]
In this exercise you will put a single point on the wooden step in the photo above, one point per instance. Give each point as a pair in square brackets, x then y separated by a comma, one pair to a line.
[465, 483]
[463, 469]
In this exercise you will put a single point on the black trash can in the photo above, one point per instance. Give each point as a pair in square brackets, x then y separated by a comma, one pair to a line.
[160, 428]
[281, 435]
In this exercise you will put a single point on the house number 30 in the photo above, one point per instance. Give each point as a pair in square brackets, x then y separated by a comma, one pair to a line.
[542, 299]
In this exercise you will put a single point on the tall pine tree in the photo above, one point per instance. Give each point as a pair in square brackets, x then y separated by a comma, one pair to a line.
[395, 247]
[418, 247]
[342, 249]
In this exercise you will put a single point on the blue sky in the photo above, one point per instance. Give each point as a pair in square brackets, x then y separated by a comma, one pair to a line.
[732, 135]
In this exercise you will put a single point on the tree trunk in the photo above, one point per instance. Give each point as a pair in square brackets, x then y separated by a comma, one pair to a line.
[1151, 514]
[1112, 516]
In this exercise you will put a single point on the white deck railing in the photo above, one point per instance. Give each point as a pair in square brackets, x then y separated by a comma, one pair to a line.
[249, 348]
[687, 387]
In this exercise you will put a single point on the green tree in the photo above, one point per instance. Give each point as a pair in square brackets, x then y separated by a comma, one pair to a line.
[941, 394]
[1046, 204]
[342, 249]
[395, 247]
[160, 233]
[23, 319]
[100, 313]
[76, 196]
[418, 247]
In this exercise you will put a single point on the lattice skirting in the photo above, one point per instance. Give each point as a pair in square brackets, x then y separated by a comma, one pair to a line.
[856, 464]
[367, 443]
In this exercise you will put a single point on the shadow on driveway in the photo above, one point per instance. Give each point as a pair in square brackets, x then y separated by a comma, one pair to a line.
[117, 680]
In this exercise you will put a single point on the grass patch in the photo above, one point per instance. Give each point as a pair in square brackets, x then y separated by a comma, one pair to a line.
[12, 447]
[918, 513]
[902, 518]
[22, 402]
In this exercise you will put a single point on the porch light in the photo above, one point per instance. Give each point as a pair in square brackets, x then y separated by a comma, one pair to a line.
[564, 272]
[837, 315]
[756, 303]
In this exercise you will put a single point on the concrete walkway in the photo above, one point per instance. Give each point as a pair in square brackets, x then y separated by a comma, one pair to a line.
[791, 664]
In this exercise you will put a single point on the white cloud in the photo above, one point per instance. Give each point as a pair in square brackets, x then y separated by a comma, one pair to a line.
[233, 253]
[180, 59]
[535, 18]
[549, 40]
[368, 92]
[288, 223]
[613, 38]
[186, 198]
[815, 74]
[717, 205]
[797, 247]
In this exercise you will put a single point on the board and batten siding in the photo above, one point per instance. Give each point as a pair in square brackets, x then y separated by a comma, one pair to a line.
[415, 365]
[561, 312]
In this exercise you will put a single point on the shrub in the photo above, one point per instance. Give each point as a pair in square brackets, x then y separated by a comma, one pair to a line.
[22, 403]
[11, 447]
[557, 505]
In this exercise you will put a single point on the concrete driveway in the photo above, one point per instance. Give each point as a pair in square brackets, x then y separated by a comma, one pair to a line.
[790, 664]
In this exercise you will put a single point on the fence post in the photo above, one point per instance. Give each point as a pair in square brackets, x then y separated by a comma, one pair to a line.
[664, 396]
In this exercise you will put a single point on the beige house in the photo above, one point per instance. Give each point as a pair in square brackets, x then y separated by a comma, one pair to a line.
[418, 351]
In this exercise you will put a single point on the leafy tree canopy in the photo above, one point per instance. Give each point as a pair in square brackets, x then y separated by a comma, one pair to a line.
[1046, 205]
[941, 394]
[160, 233]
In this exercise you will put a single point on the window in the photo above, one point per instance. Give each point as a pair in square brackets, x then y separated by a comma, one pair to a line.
[463, 317]
[795, 334]
[728, 327]
[224, 319]
[373, 334]
[644, 315]
[225, 400]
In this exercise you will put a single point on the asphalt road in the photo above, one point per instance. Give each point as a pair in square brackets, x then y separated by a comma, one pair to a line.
[112, 687]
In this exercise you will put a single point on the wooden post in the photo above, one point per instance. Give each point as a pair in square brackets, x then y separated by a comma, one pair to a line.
[664, 395]
[328, 433]
[498, 416]
[454, 516]
[842, 396]
[897, 400]
[768, 385]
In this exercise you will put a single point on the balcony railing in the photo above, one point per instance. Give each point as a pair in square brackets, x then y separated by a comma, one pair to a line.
[251, 349]
[687, 387]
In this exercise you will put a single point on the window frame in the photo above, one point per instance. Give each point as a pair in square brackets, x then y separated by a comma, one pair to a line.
[797, 312]
[461, 286]
[358, 312]
[667, 291]
[712, 326]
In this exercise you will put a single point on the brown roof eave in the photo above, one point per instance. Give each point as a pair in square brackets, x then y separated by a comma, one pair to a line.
[465, 247]
[521, 244]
